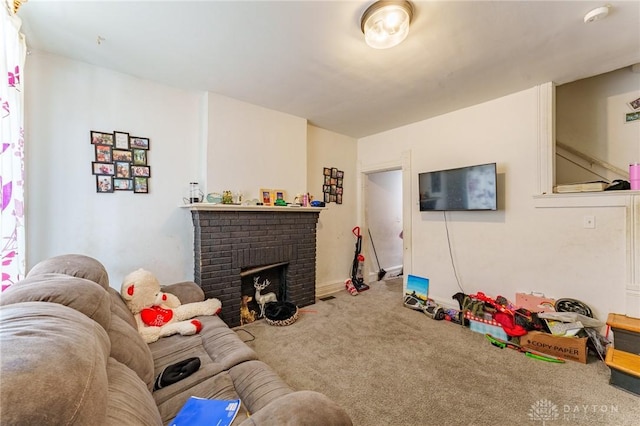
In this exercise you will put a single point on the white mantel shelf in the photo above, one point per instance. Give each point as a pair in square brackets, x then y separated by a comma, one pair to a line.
[240, 208]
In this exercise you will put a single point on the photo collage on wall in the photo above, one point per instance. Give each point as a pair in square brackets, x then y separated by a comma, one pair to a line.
[332, 187]
[121, 162]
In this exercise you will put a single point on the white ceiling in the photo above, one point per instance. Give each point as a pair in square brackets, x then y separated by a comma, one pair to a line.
[309, 58]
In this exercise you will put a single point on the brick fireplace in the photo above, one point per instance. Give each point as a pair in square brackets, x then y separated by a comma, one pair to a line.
[230, 240]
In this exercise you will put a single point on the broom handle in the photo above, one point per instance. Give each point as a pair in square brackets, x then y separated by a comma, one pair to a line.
[374, 247]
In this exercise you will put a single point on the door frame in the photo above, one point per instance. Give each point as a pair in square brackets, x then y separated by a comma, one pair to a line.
[404, 164]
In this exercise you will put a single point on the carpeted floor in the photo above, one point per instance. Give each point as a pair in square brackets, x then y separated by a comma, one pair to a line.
[387, 364]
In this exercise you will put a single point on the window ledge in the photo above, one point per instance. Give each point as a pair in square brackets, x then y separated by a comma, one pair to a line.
[586, 199]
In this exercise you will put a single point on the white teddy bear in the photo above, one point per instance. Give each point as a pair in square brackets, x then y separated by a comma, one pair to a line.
[160, 314]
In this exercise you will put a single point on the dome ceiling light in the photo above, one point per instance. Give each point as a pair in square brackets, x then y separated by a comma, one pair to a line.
[386, 23]
[597, 14]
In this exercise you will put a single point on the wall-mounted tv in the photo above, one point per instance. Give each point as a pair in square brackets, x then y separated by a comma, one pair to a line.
[464, 188]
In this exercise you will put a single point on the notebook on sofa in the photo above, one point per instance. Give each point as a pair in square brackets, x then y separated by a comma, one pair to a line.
[211, 412]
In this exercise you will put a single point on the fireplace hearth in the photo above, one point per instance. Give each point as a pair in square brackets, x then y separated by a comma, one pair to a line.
[236, 243]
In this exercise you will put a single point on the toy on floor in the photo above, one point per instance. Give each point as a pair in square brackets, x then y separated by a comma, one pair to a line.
[159, 314]
[499, 343]
[350, 287]
[503, 313]
[246, 316]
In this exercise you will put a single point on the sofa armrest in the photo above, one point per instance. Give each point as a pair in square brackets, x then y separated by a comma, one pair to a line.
[301, 408]
[186, 291]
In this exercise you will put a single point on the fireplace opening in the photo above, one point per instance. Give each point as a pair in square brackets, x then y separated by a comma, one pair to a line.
[259, 286]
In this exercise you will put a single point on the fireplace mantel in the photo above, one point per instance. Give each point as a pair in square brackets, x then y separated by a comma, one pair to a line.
[244, 208]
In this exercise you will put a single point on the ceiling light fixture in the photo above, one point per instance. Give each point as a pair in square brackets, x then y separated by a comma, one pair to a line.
[596, 14]
[386, 23]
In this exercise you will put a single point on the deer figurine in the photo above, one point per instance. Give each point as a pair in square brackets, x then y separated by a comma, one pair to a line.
[263, 299]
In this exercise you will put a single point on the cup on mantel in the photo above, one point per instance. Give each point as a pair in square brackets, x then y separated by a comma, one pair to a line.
[634, 176]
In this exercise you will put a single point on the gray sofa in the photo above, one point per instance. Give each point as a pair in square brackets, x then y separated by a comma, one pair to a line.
[71, 354]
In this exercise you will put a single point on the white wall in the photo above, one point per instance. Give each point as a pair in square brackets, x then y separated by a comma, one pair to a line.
[217, 141]
[519, 247]
[335, 242]
[65, 100]
[250, 147]
[590, 118]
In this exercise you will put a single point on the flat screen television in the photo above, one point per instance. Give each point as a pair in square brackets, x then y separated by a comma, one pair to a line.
[464, 188]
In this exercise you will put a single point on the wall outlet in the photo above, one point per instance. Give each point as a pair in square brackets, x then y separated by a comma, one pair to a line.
[589, 222]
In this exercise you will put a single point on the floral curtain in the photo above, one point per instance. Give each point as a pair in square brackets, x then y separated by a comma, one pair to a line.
[12, 61]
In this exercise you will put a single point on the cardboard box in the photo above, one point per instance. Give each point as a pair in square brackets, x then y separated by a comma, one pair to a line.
[573, 348]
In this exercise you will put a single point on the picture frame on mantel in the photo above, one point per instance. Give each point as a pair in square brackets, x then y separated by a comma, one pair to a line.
[265, 197]
[279, 194]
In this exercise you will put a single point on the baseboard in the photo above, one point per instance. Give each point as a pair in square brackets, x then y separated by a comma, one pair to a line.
[391, 272]
[326, 289]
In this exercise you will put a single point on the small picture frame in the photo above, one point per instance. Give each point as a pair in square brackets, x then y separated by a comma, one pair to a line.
[104, 184]
[103, 169]
[326, 171]
[140, 185]
[635, 104]
[334, 172]
[103, 154]
[123, 169]
[101, 138]
[279, 194]
[138, 142]
[122, 155]
[123, 184]
[340, 174]
[121, 140]
[141, 171]
[631, 117]
[265, 197]
[139, 157]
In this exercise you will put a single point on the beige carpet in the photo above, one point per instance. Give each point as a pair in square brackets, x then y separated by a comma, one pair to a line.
[387, 364]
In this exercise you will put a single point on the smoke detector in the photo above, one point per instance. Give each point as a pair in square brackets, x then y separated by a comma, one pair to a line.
[597, 14]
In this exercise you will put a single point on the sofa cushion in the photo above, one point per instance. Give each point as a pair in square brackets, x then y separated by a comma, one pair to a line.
[222, 345]
[55, 371]
[83, 295]
[129, 402]
[76, 265]
[128, 348]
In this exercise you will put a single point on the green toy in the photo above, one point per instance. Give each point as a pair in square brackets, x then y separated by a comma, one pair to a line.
[531, 354]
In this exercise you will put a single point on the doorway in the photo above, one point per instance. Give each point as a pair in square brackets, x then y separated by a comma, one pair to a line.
[383, 215]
